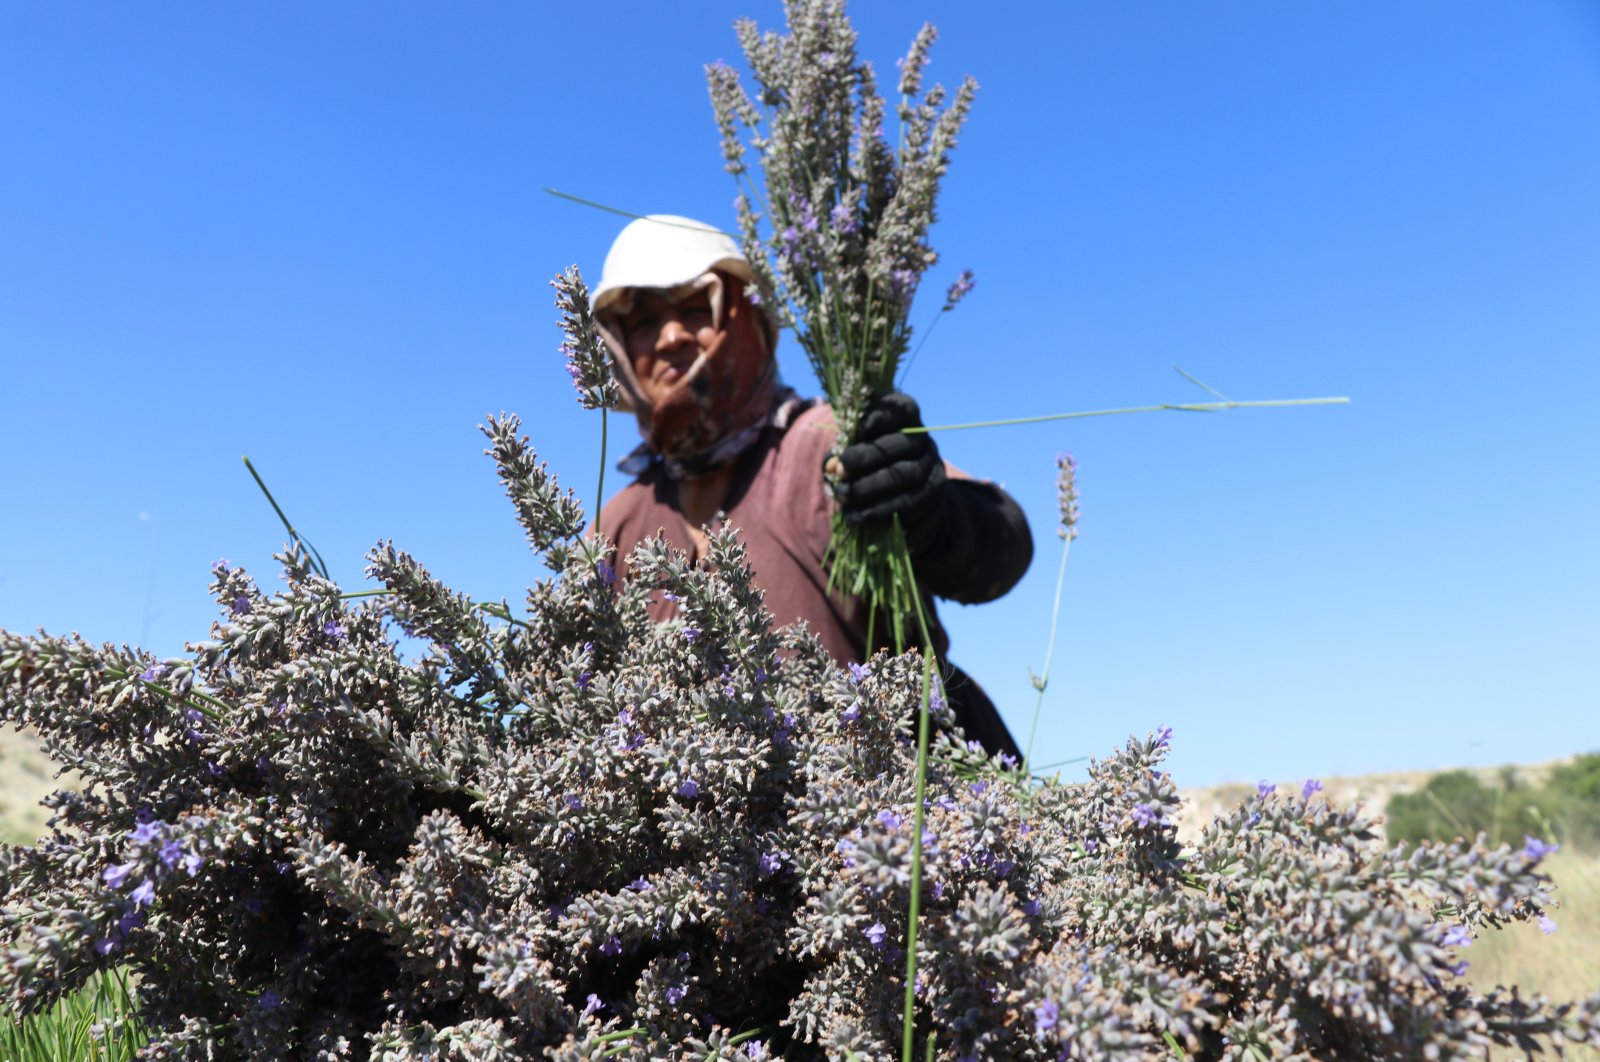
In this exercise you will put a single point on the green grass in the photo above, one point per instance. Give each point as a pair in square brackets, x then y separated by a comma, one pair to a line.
[82, 1027]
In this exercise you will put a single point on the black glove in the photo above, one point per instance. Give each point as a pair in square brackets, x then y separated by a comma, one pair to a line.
[887, 473]
[969, 541]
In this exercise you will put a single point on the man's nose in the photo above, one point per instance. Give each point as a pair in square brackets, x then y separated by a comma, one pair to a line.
[674, 334]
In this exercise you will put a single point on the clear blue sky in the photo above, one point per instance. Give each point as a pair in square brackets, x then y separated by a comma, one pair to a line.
[315, 234]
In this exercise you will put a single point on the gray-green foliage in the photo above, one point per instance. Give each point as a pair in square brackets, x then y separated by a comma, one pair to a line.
[568, 831]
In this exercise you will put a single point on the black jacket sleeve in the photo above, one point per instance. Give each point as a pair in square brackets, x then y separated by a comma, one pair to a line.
[977, 545]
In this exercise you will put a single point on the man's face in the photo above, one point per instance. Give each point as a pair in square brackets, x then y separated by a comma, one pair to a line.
[663, 338]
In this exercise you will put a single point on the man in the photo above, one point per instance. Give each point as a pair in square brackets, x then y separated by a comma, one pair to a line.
[693, 352]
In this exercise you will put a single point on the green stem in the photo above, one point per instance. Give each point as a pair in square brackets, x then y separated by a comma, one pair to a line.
[1061, 763]
[628, 213]
[905, 369]
[924, 723]
[365, 593]
[600, 488]
[206, 705]
[322, 568]
[1049, 652]
[908, 1030]
[620, 1034]
[1181, 407]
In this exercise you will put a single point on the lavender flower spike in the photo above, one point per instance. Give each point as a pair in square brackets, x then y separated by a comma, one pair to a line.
[960, 289]
[1067, 495]
[586, 356]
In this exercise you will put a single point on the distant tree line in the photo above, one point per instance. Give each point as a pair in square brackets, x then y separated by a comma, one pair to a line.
[1565, 808]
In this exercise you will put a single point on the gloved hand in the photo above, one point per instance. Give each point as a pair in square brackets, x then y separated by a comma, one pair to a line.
[887, 473]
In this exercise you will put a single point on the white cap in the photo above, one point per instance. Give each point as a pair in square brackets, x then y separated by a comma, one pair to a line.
[664, 251]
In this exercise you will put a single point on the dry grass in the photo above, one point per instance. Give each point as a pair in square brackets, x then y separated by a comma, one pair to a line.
[26, 777]
[1562, 965]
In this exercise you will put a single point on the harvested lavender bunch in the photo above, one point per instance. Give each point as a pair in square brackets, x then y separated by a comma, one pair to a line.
[573, 833]
[839, 227]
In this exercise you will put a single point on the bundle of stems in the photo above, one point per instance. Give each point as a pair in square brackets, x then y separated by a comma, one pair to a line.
[836, 227]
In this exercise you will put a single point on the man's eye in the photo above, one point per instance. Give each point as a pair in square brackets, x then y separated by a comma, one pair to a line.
[644, 323]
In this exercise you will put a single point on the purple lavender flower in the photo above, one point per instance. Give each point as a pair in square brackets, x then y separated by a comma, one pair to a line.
[668, 595]
[843, 218]
[1032, 908]
[960, 289]
[573, 801]
[1008, 761]
[688, 789]
[592, 1004]
[852, 713]
[760, 676]
[1144, 814]
[153, 672]
[1534, 849]
[1045, 1016]
[936, 702]
[583, 679]
[220, 566]
[902, 284]
[1456, 937]
[769, 863]
[171, 852]
[106, 945]
[875, 934]
[1547, 925]
[858, 671]
[608, 574]
[1459, 969]
[690, 634]
[146, 832]
[1265, 789]
[1163, 737]
[269, 1000]
[192, 862]
[675, 994]
[1311, 786]
[143, 894]
[116, 876]
[241, 605]
[890, 819]
[639, 884]
[333, 630]
[612, 946]
[979, 788]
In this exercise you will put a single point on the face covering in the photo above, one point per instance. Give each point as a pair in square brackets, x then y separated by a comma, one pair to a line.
[728, 393]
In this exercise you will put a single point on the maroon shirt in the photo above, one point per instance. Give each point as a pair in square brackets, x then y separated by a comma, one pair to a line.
[784, 517]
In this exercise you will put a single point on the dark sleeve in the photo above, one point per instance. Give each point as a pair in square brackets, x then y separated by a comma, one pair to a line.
[976, 548]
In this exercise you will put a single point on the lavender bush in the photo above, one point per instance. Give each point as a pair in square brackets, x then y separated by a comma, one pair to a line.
[564, 831]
